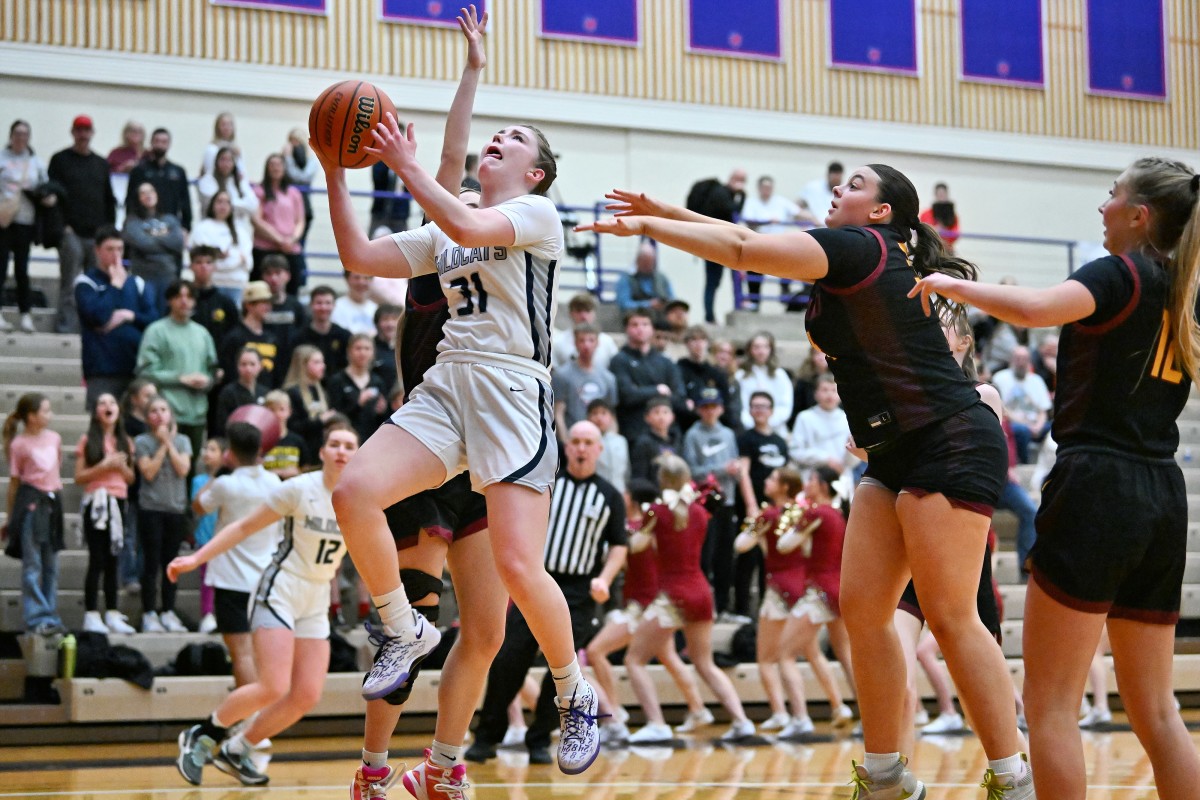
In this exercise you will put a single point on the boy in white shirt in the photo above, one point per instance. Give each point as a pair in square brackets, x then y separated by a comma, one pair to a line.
[234, 574]
[821, 432]
[355, 311]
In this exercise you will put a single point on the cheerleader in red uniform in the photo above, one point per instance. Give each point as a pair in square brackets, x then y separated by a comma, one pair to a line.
[819, 534]
[685, 600]
[640, 589]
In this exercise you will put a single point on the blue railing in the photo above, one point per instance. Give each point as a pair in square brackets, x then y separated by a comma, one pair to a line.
[583, 265]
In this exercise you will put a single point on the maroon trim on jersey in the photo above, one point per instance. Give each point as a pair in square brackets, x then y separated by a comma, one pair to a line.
[867, 281]
[436, 305]
[911, 609]
[968, 505]
[1144, 615]
[444, 533]
[1062, 598]
[1123, 314]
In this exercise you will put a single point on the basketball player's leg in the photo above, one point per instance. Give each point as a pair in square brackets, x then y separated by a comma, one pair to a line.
[874, 573]
[946, 545]
[1143, 655]
[1058, 643]
[390, 466]
[310, 668]
[482, 602]
[908, 629]
[274, 650]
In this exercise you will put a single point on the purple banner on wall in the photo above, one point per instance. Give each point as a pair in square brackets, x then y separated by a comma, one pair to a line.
[601, 21]
[1002, 42]
[442, 13]
[1127, 48]
[876, 35]
[746, 29]
[301, 6]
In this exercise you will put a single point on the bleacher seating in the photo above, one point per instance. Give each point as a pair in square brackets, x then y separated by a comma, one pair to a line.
[50, 363]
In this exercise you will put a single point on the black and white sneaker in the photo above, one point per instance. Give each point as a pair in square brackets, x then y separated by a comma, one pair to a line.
[398, 655]
[195, 750]
[239, 765]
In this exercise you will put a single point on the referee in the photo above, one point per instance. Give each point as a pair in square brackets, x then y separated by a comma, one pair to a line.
[585, 549]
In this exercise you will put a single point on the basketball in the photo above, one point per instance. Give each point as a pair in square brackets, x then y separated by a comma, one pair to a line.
[262, 418]
[341, 120]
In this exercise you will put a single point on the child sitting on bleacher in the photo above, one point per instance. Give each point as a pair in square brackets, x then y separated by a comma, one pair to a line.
[35, 515]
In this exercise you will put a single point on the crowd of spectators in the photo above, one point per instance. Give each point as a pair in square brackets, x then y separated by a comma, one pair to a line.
[239, 333]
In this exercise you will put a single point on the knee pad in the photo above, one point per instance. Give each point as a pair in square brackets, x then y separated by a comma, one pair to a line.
[418, 584]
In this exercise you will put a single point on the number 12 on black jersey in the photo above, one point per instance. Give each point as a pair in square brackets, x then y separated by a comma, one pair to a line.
[1163, 365]
[468, 306]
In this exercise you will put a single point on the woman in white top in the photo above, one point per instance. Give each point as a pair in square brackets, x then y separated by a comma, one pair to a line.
[219, 230]
[289, 619]
[228, 176]
[761, 372]
[224, 133]
[486, 404]
[20, 170]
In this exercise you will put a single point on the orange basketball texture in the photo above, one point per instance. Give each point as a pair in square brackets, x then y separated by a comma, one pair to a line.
[341, 120]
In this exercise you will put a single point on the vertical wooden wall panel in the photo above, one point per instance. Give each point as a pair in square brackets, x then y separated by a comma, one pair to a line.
[352, 39]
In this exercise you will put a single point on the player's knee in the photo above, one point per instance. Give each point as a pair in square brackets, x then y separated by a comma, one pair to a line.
[306, 697]
[276, 690]
[345, 496]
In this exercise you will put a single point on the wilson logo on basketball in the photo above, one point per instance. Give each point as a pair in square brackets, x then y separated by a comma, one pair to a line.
[362, 123]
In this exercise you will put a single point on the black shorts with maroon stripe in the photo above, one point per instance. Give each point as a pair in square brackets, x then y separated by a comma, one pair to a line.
[985, 600]
[1112, 535]
[451, 512]
[964, 457]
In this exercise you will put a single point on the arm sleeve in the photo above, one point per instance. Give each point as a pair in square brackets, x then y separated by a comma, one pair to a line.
[536, 224]
[215, 496]
[418, 248]
[284, 499]
[615, 532]
[1111, 285]
[853, 254]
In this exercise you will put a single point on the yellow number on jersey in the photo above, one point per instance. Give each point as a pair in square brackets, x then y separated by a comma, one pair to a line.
[1163, 367]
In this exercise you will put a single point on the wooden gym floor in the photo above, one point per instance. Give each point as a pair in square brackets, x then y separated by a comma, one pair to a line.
[321, 769]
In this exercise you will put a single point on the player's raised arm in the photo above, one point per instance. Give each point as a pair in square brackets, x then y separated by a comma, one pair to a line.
[458, 121]
[379, 257]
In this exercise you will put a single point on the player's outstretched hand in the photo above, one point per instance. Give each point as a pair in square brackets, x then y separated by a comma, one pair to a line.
[635, 204]
[180, 565]
[943, 286]
[474, 27]
[394, 147]
[617, 226]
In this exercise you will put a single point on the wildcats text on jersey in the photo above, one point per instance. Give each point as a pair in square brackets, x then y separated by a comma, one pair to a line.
[321, 525]
[454, 257]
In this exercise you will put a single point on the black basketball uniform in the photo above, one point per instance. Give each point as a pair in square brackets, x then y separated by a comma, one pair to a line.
[452, 510]
[907, 400]
[1112, 526]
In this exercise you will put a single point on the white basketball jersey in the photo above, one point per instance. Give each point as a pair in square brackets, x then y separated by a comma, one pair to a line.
[312, 545]
[502, 299]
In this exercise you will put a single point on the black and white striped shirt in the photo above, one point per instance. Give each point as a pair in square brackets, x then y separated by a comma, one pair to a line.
[585, 515]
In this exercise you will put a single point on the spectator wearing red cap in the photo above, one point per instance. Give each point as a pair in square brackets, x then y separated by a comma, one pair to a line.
[88, 204]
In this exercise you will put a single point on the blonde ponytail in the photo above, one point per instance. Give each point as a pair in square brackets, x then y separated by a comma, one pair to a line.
[1170, 189]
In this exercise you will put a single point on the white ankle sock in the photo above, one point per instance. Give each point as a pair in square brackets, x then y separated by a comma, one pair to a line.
[237, 744]
[394, 610]
[444, 755]
[880, 763]
[566, 678]
[1014, 765]
[374, 760]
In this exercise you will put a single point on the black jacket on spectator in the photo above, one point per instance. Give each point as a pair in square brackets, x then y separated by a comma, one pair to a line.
[170, 181]
[89, 202]
[649, 447]
[303, 424]
[265, 343]
[699, 375]
[638, 377]
[216, 312]
[333, 346]
[343, 395]
[286, 320]
[385, 364]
